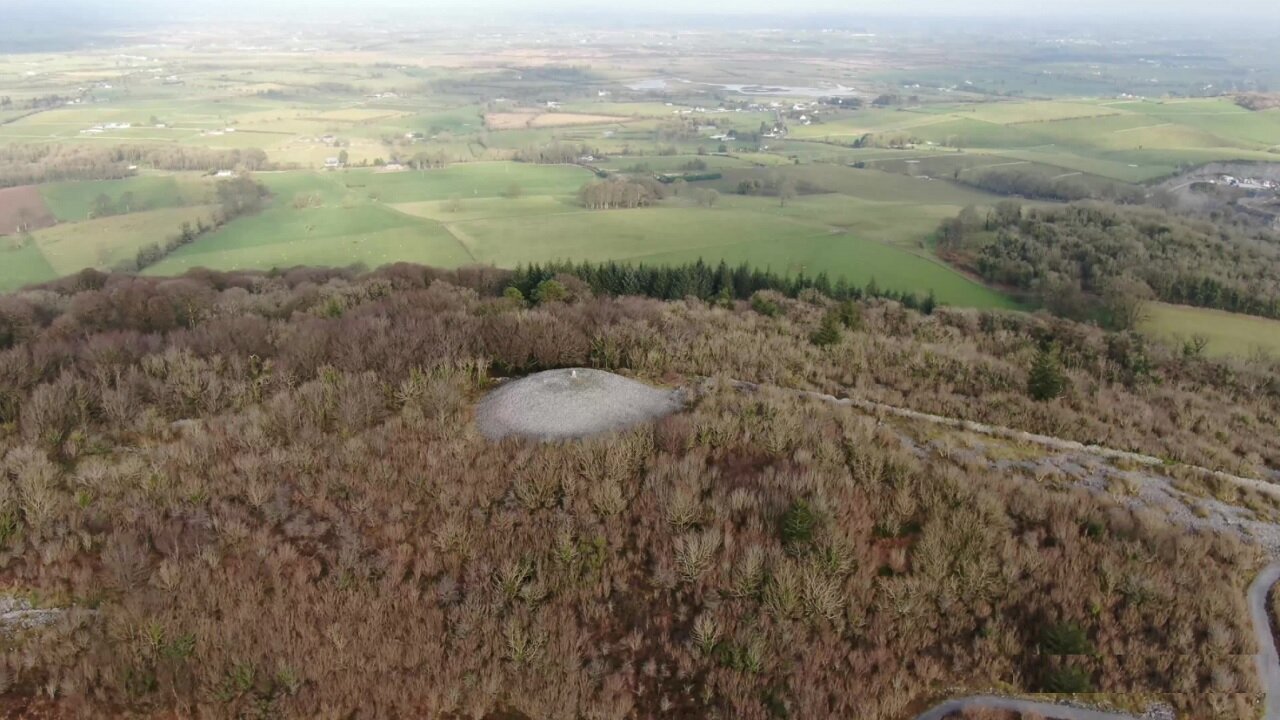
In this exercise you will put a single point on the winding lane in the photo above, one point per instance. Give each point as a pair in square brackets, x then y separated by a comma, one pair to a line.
[995, 702]
[1267, 660]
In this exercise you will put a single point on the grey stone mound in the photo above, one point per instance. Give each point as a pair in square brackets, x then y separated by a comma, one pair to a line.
[571, 403]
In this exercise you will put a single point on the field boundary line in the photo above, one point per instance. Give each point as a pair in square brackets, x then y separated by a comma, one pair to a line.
[458, 236]
[1142, 127]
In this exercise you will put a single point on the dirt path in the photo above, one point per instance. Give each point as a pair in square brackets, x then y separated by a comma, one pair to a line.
[464, 240]
[1047, 441]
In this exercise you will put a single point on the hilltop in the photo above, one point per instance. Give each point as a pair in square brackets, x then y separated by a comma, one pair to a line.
[265, 493]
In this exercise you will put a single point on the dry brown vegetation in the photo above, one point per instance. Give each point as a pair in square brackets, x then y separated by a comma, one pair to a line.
[1258, 101]
[264, 496]
[23, 209]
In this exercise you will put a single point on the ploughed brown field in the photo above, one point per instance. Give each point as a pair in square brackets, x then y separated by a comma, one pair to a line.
[23, 208]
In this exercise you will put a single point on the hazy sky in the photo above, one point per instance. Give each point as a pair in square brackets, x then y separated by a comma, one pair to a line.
[1240, 8]
[1249, 13]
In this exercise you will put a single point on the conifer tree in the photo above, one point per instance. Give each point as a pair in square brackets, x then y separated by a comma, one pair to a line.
[1047, 379]
[828, 333]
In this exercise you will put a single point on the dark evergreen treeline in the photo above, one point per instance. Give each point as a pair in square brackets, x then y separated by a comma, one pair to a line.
[704, 281]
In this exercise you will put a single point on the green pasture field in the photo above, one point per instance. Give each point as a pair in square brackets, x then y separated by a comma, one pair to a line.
[677, 234]
[864, 184]
[73, 201]
[672, 163]
[880, 236]
[1227, 333]
[334, 235]
[23, 265]
[466, 180]
[867, 224]
[447, 211]
[761, 158]
[1219, 117]
[1010, 113]
[1127, 141]
[71, 247]
[904, 224]
[352, 224]
[849, 125]
[424, 242]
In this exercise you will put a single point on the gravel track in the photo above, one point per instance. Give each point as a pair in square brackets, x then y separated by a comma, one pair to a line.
[1267, 660]
[995, 702]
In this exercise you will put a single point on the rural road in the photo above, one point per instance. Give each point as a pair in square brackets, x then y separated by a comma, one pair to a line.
[995, 702]
[1268, 662]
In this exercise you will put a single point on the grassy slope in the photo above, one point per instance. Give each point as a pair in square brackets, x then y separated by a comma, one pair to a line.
[73, 201]
[333, 235]
[1134, 141]
[71, 247]
[679, 234]
[835, 233]
[1228, 333]
[466, 181]
[23, 266]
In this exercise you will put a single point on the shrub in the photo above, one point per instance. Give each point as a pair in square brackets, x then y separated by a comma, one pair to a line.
[1047, 379]
[1067, 679]
[765, 305]
[514, 295]
[850, 315]
[798, 524]
[550, 291]
[1065, 638]
[828, 333]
